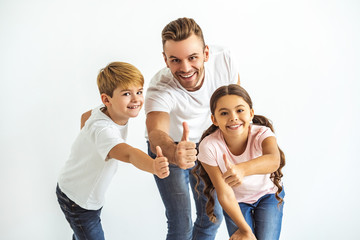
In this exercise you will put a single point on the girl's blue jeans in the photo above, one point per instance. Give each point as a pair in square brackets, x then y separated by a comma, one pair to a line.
[86, 224]
[175, 194]
[264, 217]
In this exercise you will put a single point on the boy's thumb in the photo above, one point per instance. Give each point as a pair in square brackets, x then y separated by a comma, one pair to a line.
[228, 165]
[159, 152]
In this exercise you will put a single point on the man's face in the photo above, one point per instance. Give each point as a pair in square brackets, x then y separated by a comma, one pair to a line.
[186, 61]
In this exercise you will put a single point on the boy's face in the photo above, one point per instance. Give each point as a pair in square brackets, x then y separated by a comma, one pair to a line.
[125, 103]
[186, 61]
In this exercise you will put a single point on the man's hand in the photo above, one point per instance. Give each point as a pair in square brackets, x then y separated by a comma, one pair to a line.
[161, 164]
[185, 154]
[234, 174]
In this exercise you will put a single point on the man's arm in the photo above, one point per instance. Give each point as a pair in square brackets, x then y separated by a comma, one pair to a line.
[182, 154]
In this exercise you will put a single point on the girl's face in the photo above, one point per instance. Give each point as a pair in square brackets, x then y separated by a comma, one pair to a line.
[232, 115]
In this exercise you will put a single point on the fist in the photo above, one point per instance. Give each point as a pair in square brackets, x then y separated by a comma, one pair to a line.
[185, 154]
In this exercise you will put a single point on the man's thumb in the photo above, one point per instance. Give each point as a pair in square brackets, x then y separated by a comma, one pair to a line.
[228, 165]
[159, 152]
[185, 136]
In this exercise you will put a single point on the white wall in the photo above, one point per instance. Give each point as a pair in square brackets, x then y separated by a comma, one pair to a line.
[299, 60]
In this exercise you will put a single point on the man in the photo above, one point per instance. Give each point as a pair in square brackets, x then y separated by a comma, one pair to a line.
[177, 112]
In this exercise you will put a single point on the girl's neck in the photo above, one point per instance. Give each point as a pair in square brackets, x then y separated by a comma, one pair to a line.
[237, 144]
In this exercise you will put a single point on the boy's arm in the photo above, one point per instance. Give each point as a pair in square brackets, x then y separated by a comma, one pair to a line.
[228, 201]
[84, 118]
[126, 153]
[182, 154]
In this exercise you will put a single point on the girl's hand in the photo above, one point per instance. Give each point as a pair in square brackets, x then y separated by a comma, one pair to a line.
[161, 164]
[234, 174]
[248, 235]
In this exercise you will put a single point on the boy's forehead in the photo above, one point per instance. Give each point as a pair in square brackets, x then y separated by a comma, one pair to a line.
[130, 87]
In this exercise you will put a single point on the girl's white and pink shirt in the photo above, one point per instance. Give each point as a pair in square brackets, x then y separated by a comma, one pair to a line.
[212, 148]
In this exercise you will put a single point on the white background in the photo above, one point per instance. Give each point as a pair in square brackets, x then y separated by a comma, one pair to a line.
[299, 60]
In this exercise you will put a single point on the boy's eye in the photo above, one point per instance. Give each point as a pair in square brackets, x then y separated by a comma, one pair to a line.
[126, 94]
[139, 93]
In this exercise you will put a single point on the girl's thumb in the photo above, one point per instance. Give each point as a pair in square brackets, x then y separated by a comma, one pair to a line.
[228, 165]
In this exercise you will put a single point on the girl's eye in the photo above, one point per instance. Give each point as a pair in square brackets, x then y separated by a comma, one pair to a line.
[223, 113]
[240, 110]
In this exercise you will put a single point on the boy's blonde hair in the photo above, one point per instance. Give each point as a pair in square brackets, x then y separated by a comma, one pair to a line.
[118, 74]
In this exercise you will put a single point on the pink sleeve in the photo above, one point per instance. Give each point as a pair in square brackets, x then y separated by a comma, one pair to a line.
[207, 152]
[264, 132]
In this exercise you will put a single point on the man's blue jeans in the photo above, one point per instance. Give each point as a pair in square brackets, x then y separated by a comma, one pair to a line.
[264, 217]
[86, 224]
[174, 191]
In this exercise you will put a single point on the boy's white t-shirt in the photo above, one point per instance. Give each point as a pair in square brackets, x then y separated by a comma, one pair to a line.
[88, 171]
[212, 148]
[165, 94]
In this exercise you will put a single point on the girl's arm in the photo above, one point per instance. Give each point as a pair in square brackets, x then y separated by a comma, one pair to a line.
[269, 162]
[126, 153]
[228, 201]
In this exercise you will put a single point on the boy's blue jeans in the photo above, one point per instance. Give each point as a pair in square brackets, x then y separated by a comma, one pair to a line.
[174, 191]
[86, 224]
[264, 217]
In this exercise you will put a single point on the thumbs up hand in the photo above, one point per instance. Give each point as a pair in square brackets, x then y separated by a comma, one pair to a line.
[185, 154]
[161, 164]
[234, 175]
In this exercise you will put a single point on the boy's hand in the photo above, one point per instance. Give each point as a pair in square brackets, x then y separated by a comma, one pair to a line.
[243, 235]
[185, 155]
[234, 175]
[161, 164]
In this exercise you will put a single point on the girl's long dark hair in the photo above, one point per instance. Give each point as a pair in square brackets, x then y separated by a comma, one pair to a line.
[199, 171]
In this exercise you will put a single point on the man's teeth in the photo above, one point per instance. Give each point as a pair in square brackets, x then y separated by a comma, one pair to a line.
[187, 76]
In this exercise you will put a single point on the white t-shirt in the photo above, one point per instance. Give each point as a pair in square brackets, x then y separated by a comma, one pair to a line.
[212, 148]
[88, 171]
[165, 94]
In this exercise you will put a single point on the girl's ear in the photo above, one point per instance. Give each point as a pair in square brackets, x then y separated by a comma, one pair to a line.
[252, 114]
[105, 99]
[214, 120]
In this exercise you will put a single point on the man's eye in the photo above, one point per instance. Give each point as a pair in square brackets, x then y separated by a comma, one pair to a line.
[192, 58]
[175, 60]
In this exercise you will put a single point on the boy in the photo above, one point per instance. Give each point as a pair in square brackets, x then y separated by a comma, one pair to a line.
[101, 142]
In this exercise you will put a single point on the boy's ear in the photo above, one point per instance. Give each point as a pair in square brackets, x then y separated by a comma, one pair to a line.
[105, 99]
[214, 120]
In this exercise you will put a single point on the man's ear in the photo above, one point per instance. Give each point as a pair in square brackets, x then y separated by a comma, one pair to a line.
[165, 59]
[213, 119]
[105, 99]
[206, 53]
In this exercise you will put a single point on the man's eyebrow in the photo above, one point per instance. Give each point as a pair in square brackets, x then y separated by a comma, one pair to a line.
[193, 54]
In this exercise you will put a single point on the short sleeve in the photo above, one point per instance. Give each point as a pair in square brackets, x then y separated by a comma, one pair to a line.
[207, 152]
[107, 138]
[262, 133]
[157, 100]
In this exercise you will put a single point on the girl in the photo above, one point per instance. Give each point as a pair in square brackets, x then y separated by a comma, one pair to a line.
[240, 158]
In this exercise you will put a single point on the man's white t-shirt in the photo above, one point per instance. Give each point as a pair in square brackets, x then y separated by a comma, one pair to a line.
[88, 171]
[165, 94]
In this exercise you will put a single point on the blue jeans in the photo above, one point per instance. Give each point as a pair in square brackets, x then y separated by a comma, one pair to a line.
[174, 191]
[86, 224]
[264, 217]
